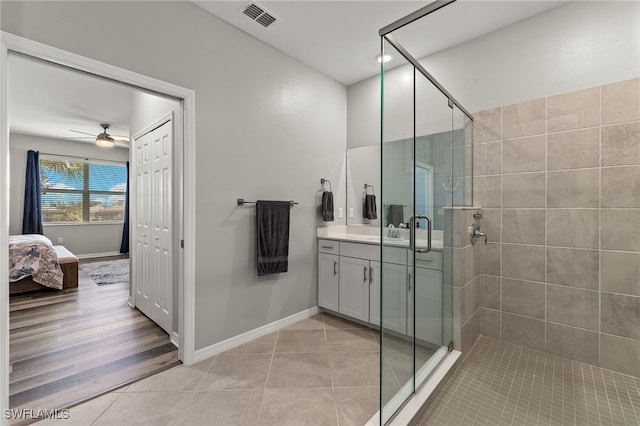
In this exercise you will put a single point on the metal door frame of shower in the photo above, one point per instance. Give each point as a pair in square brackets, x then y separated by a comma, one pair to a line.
[412, 404]
[386, 31]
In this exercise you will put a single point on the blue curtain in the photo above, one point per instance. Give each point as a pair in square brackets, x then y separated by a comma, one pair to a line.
[124, 246]
[32, 213]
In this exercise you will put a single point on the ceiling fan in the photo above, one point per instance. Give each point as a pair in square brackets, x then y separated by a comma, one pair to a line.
[104, 139]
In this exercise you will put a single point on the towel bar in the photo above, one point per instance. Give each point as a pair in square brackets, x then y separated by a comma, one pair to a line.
[323, 181]
[242, 202]
[366, 185]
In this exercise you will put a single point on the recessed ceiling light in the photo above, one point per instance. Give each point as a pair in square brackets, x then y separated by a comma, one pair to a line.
[383, 59]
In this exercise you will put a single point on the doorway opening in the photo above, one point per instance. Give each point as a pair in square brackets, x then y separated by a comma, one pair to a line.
[180, 328]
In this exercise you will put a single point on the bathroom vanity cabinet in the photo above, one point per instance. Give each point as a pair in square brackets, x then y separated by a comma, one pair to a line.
[349, 283]
[328, 278]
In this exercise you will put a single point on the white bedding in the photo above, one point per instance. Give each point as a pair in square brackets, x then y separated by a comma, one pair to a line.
[33, 255]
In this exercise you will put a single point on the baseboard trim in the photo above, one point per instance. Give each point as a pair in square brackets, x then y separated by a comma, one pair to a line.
[225, 345]
[94, 255]
[131, 302]
[175, 339]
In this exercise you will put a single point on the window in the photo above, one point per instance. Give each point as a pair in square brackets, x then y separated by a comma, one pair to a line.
[81, 191]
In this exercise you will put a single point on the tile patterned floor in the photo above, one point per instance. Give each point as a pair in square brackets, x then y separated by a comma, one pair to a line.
[503, 384]
[319, 371]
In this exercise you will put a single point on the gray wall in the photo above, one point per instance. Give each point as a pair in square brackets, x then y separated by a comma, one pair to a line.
[267, 127]
[582, 44]
[83, 239]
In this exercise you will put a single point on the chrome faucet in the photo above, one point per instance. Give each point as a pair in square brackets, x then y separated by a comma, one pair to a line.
[393, 232]
[474, 230]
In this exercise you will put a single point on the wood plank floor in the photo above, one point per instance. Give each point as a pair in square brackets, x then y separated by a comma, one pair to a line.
[69, 346]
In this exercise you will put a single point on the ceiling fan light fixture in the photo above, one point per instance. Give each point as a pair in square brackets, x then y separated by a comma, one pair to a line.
[104, 140]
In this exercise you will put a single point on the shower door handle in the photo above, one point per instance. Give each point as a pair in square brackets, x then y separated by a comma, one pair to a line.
[412, 234]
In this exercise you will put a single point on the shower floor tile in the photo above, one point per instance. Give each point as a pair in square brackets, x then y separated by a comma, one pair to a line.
[503, 384]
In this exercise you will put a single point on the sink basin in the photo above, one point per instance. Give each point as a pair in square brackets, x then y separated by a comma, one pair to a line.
[398, 241]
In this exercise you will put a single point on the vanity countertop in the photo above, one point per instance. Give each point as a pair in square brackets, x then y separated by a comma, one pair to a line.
[375, 240]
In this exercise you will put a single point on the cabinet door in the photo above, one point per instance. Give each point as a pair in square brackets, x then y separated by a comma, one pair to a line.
[428, 288]
[394, 296]
[328, 281]
[354, 288]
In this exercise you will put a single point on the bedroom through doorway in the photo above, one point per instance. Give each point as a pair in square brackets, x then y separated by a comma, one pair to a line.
[71, 344]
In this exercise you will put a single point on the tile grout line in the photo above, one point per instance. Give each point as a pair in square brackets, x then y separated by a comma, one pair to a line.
[600, 235]
[264, 388]
[546, 216]
[615, 388]
[106, 409]
[501, 220]
[633, 407]
[606, 392]
[333, 389]
[193, 393]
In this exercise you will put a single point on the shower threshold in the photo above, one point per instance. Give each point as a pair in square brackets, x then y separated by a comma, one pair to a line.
[433, 375]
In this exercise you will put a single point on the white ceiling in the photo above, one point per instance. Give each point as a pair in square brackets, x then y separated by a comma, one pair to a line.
[50, 101]
[340, 38]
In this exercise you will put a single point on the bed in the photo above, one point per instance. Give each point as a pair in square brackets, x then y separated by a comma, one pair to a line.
[34, 262]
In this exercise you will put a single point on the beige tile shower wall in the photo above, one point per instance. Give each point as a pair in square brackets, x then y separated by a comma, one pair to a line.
[558, 180]
[467, 266]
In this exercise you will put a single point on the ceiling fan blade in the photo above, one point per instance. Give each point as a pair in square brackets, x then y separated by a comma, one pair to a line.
[84, 133]
[120, 138]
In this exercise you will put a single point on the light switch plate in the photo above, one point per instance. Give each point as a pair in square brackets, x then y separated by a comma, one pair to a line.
[340, 212]
[350, 211]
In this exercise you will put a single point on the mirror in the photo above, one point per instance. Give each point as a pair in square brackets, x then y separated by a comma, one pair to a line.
[363, 167]
[442, 161]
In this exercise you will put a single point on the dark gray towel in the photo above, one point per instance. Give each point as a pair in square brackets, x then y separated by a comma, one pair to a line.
[396, 214]
[327, 206]
[369, 210]
[273, 236]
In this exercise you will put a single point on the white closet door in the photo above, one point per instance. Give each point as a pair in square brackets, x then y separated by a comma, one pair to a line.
[154, 280]
[161, 264]
[142, 196]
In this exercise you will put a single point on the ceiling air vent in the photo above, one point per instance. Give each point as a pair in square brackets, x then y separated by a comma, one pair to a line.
[259, 14]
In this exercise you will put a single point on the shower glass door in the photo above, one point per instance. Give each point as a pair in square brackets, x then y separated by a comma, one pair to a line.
[419, 181]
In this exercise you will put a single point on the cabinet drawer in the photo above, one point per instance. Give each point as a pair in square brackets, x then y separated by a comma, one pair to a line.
[329, 246]
[360, 251]
[431, 260]
[397, 255]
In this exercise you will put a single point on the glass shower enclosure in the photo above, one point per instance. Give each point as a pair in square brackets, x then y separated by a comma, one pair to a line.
[426, 154]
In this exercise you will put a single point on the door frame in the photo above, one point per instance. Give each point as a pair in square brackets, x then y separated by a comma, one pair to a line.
[186, 311]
